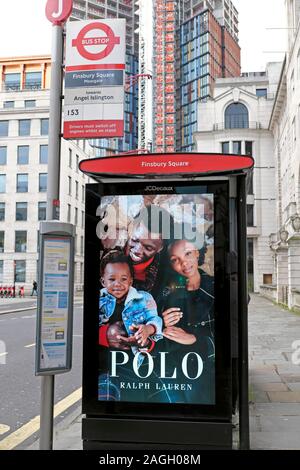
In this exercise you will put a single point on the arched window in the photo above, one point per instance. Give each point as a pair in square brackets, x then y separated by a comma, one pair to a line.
[236, 116]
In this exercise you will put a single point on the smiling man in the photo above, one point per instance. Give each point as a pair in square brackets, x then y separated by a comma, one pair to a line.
[146, 246]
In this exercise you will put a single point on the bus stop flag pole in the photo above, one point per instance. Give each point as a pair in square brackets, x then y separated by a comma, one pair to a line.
[57, 13]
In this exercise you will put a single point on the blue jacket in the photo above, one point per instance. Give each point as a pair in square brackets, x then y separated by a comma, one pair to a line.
[139, 309]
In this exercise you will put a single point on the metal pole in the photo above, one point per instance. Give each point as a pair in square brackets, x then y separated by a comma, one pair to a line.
[47, 382]
[55, 122]
[243, 316]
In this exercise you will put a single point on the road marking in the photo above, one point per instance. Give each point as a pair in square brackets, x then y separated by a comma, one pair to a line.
[20, 435]
[29, 345]
[3, 354]
[29, 316]
[4, 428]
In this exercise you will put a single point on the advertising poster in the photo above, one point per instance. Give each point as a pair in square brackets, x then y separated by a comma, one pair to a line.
[156, 341]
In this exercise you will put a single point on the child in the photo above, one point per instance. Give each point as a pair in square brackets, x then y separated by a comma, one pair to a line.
[120, 302]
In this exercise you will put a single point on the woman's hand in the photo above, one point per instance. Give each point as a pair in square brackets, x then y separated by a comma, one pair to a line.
[171, 316]
[179, 335]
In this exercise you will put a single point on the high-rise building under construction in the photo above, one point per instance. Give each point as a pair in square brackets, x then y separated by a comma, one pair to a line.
[195, 41]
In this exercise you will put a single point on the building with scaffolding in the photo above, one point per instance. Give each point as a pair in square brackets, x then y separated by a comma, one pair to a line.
[195, 42]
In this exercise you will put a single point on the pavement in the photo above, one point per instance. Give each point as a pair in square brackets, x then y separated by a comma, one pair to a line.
[17, 304]
[274, 381]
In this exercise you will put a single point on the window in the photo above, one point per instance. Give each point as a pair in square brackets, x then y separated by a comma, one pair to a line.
[8, 104]
[2, 183]
[21, 210]
[250, 182]
[236, 116]
[2, 211]
[237, 146]
[248, 148]
[70, 158]
[77, 163]
[83, 195]
[76, 189]
[23, 154]
[20, 271]
[43, 153]
[22, 183]
[20, 241]
[250, 265]
[3, 128]
[3, 155]
[69, 213]
[12, 81]
[76, 216]
[42, 210]
[267, 278]
[261, 92]
[225, 147]
[24, 127]
[250, 215]
[70, 185]
[43, 182]
[82, 219]
[30, 103]
[44, 126]
[33, 80]
[1, 270]
[81, 245]
[2, 241]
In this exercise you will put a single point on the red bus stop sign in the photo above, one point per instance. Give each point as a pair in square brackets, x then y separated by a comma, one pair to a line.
[58, 11]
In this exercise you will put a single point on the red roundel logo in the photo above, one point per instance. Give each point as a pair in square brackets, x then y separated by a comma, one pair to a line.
[83, 41]
[58, 11]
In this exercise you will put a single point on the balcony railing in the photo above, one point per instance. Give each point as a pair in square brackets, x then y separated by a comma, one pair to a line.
[251, 125]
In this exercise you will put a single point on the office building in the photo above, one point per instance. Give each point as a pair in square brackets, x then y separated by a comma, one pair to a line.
[24, 120]
[193, 45]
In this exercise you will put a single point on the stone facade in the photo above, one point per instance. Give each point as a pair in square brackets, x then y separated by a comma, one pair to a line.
[247, 133]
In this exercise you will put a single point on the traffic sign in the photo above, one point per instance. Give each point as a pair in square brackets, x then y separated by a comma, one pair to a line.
[58, 11]
[109, 41]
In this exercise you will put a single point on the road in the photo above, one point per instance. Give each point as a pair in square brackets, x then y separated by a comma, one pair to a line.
[19, 388]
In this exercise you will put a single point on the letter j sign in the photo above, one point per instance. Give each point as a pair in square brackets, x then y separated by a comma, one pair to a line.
[58, 11]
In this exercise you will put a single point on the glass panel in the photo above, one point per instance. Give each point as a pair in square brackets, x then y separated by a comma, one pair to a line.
[3, 128]
[236, 116]
[24, 127]
[261, 92]
[2, 183]
[23, 154]
[2, 211]
[30, 103]
[21, 241]
[237, 147]
[21, 210]
[2, 241]
[43, 182]
[22, 183]
[44, 126]
[1, 270]
[43, 153]
[33, 80]
[42, 211]
[250, 215]
[8, 104]
[225, 147]
[3, 155]
[12, 81]
[20, 271]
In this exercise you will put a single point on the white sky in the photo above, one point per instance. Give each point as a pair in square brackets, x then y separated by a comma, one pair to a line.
[25, 30]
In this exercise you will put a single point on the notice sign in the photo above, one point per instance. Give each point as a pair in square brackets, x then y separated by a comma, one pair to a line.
[55, 303]
[94, 79]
